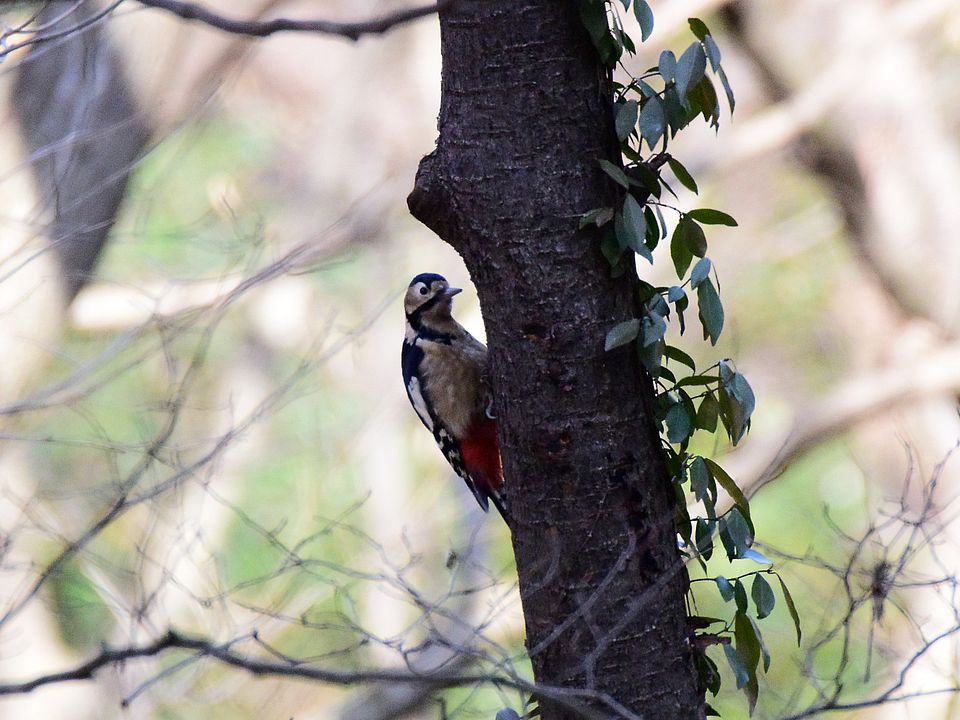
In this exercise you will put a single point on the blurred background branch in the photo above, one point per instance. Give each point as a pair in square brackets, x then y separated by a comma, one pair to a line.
[350, 30]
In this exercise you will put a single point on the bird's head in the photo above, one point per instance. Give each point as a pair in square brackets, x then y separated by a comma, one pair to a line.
[429, 297]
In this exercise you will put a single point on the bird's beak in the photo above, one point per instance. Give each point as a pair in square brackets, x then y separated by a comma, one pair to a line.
[450, 292]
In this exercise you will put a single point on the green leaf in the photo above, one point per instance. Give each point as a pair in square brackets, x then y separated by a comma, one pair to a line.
[679, 251]
[698, 380]
[597, 216]
[708, 412]
[709, 674]
[655, 303]
[709, 710]
[740, 596]
[699, 478]
[752, 691]
[701, 271]
[652, 121]
[698, 27]
[610, 247]
[740, 530]
[609, 49]
[660, 221]
[674, 469]
[646, 89]
[708, 216]
[713, 51]
[739, 388]
[677, 115]
[725, 588]
[685, 178]
[675, 293]
[645, 17]
[622, 333]
[731, 488]
[748, 645]
[707, 100]
[693, 236]
[614, 172]
[735, 534]
[690, 69]
[645, 290]
[652, 329]
[726, 539]
[593, 15]
[641, 176]
[740, 399]
[680, 356]
[705, 538]
[631, 227]
[737, 665]
[682, 305]
[731, 101]
[763, 597]
[791, 606]
[651, 356]
[764, 653]
[710, 311]
[626, 118]
[667, 65]
[652, 238]
[678, 424]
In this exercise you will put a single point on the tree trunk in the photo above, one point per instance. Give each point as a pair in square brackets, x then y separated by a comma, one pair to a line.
[525, 113]
[80, 122]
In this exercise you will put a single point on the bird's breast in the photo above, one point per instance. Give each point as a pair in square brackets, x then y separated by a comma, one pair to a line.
[453, 382]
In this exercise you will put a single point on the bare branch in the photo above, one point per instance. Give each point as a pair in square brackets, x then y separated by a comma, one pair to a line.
[847, 403]
[224, 652]
[292, 668]
[253, 28]
[900, 544]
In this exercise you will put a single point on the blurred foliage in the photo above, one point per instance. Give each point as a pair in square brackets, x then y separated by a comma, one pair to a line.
[82, 616]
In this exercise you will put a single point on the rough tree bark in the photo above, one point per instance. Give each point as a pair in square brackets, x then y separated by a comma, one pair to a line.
[525, 113]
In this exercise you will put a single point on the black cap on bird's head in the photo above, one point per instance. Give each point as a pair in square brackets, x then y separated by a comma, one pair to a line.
[428, 295]
[427, 279]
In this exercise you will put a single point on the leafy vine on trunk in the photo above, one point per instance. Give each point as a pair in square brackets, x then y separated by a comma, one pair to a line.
[650, 109]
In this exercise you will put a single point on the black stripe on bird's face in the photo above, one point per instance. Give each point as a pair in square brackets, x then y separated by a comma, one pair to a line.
[429, 296]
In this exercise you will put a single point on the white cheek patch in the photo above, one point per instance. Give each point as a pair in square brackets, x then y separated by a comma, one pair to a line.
[419, 404]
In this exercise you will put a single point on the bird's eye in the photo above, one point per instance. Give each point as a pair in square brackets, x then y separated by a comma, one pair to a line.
[423, 290]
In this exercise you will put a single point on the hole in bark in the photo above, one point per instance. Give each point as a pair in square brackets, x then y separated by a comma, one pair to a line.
[534, 331]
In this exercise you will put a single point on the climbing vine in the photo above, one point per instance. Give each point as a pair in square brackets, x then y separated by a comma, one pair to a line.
[649, 110]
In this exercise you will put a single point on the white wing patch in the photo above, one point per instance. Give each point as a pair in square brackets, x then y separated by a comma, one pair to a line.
[419, 404]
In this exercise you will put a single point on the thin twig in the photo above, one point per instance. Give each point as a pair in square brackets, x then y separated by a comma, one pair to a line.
[263, 28]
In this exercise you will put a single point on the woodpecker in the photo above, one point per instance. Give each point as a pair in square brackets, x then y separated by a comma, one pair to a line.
[446, 376]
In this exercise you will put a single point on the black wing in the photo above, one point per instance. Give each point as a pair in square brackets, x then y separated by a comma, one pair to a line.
[410, 358]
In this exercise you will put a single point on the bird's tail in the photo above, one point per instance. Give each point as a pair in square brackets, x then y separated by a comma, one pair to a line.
[499, 499]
